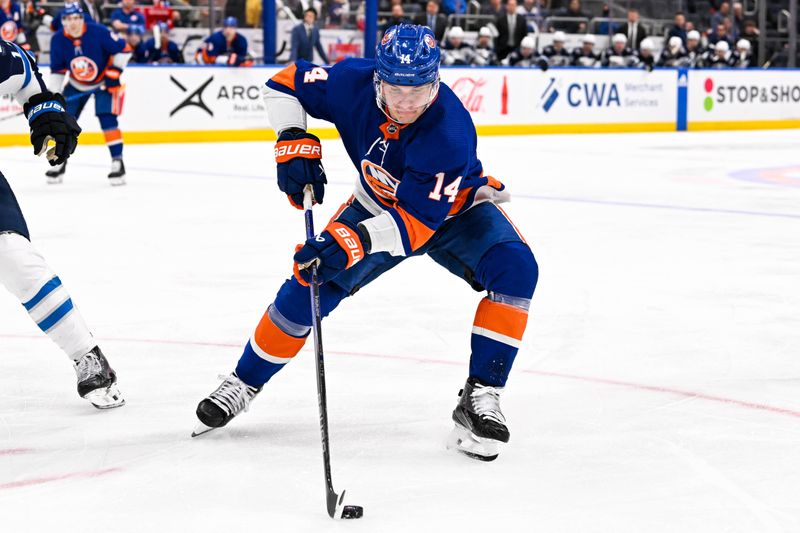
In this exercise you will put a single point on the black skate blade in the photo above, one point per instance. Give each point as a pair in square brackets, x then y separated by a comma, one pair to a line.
[484, 458]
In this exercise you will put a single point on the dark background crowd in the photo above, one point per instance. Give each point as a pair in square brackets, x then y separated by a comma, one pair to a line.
[691, 33]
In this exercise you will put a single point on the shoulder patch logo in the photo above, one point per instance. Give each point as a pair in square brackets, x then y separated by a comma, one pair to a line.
[387, 37]
[430, 42]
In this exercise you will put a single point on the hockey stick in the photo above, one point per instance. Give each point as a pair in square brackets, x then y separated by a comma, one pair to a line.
[336, 507]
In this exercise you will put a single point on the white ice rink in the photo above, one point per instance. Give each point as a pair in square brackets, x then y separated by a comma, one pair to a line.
[657, 389]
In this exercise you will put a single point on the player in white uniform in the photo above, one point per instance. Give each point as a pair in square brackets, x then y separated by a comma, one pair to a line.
[23, 270]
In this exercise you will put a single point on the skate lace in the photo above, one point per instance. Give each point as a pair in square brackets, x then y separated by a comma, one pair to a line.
[232, 395]
[87, 366]
[486, 403]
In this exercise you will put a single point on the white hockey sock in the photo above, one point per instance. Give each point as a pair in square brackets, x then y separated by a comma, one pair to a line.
[27, 276]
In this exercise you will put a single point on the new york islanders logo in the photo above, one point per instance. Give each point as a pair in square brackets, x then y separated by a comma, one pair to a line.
[387, 37]
[9, 31]
[429, 41]
[83, 69]
[381, 182]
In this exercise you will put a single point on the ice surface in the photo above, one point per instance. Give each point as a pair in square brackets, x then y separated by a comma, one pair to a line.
[657, 389]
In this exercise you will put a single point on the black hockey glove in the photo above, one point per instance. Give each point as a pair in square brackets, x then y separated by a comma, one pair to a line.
[299, 158]
[49, 120]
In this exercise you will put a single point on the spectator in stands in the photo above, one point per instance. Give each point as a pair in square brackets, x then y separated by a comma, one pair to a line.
[126, 15]
[134, 36]
[619, 54]
[633, 29]
[694, 50]
[751, 34]
[738, 20]
[225, 47]
[719, 57]
[585, 56]
[493, 8]
[721, 34]
[678, 29]
[436, 21]
[165, 51]
[455, 51]
[646, 58]
[556, 54]
[742, 57]
[511, 29]
[673, 55]
[722, 13]
[484, 51]
[305, 38]
[334, 12]
[454, 7]
[525, 55]
[532, 10]
[398, 17]
[572, 11]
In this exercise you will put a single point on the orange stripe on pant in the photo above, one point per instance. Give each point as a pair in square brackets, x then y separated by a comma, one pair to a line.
[272, 344]
[500, 322]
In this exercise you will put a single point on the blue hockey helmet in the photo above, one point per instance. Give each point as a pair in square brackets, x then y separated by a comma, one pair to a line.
[407, 56]
[72, 9]
[230, 22]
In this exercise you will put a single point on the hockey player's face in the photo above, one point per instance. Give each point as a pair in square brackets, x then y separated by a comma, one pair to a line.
[73, 24]
[619, 47]
[406, 104]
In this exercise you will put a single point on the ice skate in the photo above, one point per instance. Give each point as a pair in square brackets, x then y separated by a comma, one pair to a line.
[56, 174]
[231, 398]
[117, 175]
[97, 381]
[480, 425]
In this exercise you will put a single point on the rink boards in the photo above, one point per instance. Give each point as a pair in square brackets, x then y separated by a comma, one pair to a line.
[213, 104]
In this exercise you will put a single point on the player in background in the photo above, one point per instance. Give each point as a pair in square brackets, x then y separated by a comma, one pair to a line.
[694, 50]
[12, 28]
[421, 190]
[645, 55]
[525, 55]
[92, 58]
[618, 54]
[484, 50]
[225, 47]
[455, 51]
[742, 57]
[166, 51]
[126, 16]
[133, 36]
[673, 55]
[23, 270]
[56, 24]
[556, 53]
[585, 56]
[720, 56]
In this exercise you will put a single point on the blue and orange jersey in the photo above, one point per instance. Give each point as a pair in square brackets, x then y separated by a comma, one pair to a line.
[86, 58]
[11, 22]
[161, 53]
[216, 45]
[421, 173]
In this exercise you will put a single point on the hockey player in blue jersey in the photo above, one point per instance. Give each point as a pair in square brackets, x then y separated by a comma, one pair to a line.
[164, 51]
[421, 190]
[23, 270]
[11, 22]
[225, 47]
[92, 57]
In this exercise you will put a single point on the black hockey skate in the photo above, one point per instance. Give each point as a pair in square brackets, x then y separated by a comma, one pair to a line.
[117, 175]
[56, 174]
[480, 425]
[231, 398]
[97, 381]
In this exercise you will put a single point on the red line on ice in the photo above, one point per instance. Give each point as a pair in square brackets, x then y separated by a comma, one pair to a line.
[41, 480]
[589, 379]
[15, 451]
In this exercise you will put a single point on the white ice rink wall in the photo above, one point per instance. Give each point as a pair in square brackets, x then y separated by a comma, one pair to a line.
[213, 104]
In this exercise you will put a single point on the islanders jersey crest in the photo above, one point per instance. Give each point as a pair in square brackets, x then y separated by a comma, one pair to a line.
[83, 69]
[382, 184]
[9, 31]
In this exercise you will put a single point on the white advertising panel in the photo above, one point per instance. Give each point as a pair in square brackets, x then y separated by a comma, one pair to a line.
[743, 95]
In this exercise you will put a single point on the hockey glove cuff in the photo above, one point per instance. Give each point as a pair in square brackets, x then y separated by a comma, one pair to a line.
[336, 249]
[48, 118]
[299, 158]
[112, 77]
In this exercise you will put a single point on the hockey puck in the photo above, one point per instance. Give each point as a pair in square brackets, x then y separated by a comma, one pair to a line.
[352, 512]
